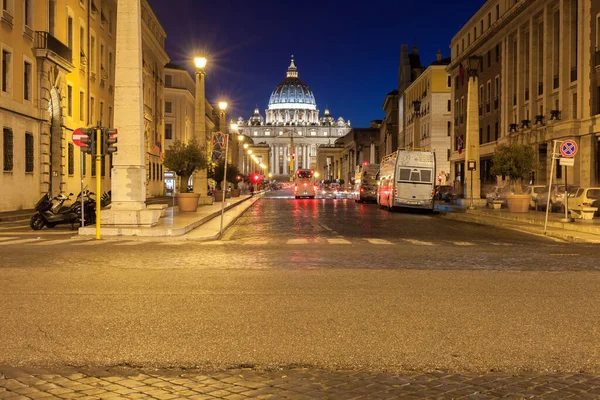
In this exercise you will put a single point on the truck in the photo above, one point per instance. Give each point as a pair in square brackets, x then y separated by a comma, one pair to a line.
[365, 183]
[407, 180]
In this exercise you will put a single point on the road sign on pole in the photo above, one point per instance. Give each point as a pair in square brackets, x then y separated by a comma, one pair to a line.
[568, 148]
[78, 135]
[567, 162]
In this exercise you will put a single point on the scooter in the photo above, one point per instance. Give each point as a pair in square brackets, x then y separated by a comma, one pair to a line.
[51, 214]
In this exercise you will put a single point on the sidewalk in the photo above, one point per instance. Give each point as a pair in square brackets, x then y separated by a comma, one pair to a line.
[580, 231]
[204, 224]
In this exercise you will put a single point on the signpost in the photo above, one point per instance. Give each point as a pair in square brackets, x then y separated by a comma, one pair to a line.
[78, 136]
[568, 149]
[471, 166]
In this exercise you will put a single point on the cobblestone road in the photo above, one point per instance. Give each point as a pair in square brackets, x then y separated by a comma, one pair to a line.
[297, 383]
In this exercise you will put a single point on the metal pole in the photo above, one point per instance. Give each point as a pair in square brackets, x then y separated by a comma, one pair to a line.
[224, 183]
[566, 195]
[81, 163]
[550, 184]
[471, 207]
[98, 178]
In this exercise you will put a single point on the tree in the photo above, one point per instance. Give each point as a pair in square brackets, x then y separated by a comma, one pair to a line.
[184, 159]
[219, 170]
[517, 161]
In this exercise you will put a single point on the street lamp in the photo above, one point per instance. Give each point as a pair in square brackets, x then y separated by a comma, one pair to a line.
[472, 130]
[223, 107]
[200, 180]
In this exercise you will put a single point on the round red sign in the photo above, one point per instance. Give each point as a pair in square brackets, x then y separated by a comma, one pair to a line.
[78, 136]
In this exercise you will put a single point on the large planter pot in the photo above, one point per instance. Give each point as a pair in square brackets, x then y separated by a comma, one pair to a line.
[219, 195]
[235, 192]
[518, 202]
[187, 202]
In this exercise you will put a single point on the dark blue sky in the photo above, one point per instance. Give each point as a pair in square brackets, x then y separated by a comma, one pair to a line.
[346, 52]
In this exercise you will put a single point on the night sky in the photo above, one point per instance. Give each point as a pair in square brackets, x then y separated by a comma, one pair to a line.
[346, 52]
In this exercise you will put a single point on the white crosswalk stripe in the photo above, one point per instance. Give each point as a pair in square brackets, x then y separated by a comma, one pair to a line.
[51, 242]
[338, 241]
[418, 242]
[297, 241]
[21, 241]
[463, 243]
[378, 241]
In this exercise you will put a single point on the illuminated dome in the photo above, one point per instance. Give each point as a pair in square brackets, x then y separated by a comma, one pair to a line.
[292, 93]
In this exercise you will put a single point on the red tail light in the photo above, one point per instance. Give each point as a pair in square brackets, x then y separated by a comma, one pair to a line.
[362, 190]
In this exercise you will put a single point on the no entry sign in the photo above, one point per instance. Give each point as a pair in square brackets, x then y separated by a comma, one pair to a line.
[568, 148]
[78, 136]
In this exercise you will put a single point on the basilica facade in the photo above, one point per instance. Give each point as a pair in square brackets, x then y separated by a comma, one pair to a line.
[292, 116]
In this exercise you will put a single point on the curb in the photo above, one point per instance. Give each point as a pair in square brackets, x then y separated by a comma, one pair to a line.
[22, 217]
[566, 236]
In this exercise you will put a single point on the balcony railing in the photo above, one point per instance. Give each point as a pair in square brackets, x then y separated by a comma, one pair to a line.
[44, 40]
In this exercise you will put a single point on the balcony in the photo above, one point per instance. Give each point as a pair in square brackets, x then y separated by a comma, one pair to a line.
[47, 46]
[7, 18]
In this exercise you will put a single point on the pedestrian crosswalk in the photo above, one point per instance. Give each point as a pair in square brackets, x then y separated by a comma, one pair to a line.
[296, 241]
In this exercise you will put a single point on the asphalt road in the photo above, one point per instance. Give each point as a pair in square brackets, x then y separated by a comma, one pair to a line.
[321, 283]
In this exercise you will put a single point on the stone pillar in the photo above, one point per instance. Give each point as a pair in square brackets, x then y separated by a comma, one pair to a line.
[472, 141]
[204, 137]
[128, 182]
[285, 163]
[276, 163]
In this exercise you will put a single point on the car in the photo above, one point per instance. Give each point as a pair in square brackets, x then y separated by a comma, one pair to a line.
[327, 192]
[445, 193]
[534, 191]
[585, 197]
[557, 197]
[498, 193]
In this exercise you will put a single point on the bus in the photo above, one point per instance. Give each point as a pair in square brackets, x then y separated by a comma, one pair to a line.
[365, 183]
[305, 184]
[407, 179]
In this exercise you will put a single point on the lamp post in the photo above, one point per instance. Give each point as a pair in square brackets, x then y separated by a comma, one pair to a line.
[222, 108]
[201, 177]
[416, 125]
[472, 129]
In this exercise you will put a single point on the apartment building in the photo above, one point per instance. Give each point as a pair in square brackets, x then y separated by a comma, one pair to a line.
[429, 110]
[58, 63]
[539, 82]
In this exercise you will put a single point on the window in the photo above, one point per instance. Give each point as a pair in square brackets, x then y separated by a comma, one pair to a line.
[82, 59]
[110, 64]
[168, 131]
[6, 70]
[69, 100]
[110, 117]
[489, 58]
[27, 80]
[489, 95]
[449, 128]
[7, 149]
[93, 53]
[480, 135]
[475, 33]
[71, 159]
[449, 83]
[168, 107]
[92, 111]
[496, 133]
[449, 105]
[29, 152]
[168, 80]
[496, 91]
[468, 39]
[102, 113]
[70, 32]
[81, 106]
[489, 19]
[489, 136]
[28, 13]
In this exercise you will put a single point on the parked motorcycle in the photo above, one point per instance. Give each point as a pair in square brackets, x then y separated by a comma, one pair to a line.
[51, 212]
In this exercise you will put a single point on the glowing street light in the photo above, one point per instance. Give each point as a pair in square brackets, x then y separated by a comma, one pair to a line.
[200, 62]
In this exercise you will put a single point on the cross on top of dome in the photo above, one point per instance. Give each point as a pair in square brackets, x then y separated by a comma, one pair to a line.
[292, 71]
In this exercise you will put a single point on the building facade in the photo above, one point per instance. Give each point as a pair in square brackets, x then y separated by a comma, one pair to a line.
[179, 104]
[292, 113]
[428, 117]
[538, 82]
[58, 63]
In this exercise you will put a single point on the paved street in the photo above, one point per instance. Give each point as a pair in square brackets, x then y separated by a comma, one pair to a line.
[324, 292]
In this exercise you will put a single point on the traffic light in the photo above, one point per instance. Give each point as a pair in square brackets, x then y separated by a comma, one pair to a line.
[89, 141]
[256, 178]
[110, 140]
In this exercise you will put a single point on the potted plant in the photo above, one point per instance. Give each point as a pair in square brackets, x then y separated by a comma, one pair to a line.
[218, 172]
[184, 159]
[516, 161]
